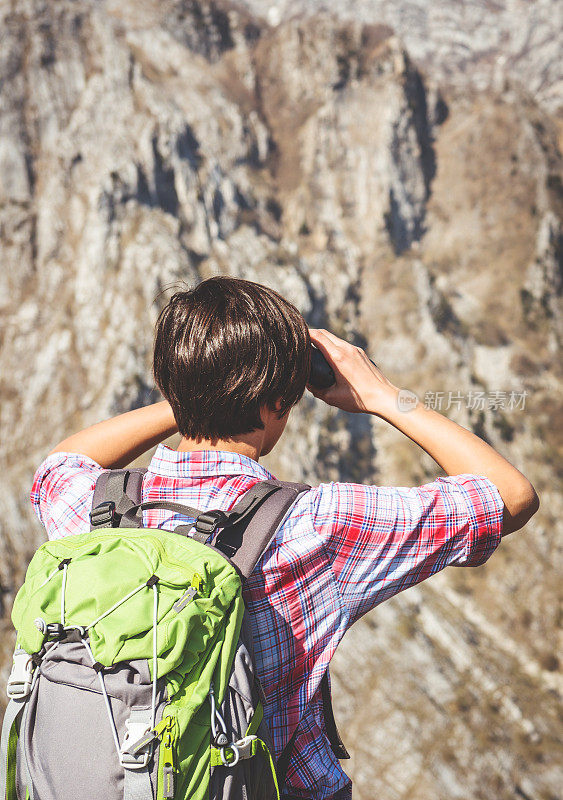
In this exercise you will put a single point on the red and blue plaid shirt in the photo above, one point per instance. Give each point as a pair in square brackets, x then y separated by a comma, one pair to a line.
[343, 549]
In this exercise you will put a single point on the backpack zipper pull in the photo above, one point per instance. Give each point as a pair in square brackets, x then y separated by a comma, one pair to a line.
[159, 729]
[168, 757]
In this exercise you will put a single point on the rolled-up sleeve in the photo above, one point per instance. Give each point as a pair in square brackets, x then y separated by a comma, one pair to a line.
[62, 493]
[380, 540]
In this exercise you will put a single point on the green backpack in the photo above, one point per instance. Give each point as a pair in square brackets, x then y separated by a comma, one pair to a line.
[133, 675]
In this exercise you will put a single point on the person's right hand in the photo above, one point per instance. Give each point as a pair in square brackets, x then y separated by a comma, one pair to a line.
[360, 385]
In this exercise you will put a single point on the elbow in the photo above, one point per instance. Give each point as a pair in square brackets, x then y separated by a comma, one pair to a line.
[522, 508]
[534, 502]
[529, 501]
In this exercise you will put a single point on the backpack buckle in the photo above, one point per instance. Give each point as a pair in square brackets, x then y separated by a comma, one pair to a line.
[21, 676]
[132, 756]
[244, 746]
[103, 516]
[209, 521]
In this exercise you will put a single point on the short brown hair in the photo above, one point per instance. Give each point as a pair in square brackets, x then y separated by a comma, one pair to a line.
[223, 350]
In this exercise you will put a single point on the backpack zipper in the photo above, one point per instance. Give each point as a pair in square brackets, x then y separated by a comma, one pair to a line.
[166, 731]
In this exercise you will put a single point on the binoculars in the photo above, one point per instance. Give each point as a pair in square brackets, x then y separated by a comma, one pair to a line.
[321, 375]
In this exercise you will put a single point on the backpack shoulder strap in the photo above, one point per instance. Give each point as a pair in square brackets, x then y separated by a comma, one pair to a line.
[111, 487]
[245, 542]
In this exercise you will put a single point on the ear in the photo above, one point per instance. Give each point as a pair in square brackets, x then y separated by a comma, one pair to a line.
[270, 410]
[276, 407]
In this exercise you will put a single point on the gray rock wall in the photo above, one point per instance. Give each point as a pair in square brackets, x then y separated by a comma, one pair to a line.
[475, 42]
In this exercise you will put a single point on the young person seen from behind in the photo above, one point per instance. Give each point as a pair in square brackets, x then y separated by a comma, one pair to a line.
[232, 358]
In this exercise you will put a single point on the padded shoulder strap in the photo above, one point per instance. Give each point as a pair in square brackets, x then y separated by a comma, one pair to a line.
[245, 543]
[112, 486]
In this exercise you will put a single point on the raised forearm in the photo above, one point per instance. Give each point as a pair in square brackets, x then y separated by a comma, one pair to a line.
[116, 442]
[457, 450]
[361, 386]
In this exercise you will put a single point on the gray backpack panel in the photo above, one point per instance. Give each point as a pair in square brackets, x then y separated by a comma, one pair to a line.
[65, 736]
[250, 779]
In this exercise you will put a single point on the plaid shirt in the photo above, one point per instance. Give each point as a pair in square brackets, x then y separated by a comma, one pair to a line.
[342, 549]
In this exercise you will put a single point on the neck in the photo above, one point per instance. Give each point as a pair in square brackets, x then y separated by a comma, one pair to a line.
[242, 445]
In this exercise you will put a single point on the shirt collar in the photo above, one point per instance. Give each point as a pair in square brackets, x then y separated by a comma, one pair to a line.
[199, 463]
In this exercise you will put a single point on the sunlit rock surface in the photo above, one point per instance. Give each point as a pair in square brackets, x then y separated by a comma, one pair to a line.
[477, 42]
[147, 143]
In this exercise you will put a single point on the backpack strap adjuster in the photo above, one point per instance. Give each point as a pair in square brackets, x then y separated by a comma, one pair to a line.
[21, 676]
[103, 516]
[208, 522]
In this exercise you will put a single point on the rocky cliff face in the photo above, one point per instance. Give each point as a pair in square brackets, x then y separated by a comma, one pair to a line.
[147, 143]
[475, 43]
